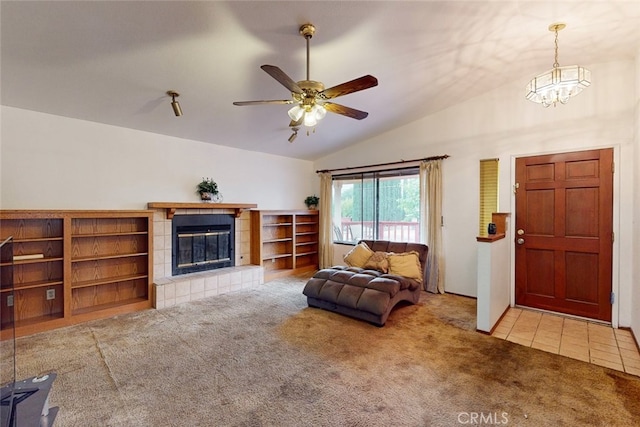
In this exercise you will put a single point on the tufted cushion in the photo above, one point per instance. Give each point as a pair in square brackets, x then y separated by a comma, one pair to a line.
[406, 264]
[358, 256]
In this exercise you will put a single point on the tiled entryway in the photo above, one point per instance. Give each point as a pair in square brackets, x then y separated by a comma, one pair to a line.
[578, 339]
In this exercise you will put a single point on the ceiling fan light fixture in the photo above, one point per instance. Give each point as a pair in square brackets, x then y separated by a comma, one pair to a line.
[558, 84]
[312, 114]
[309, 97]
[174, 104]
[296, 113]
[310, 119]
[319, 111]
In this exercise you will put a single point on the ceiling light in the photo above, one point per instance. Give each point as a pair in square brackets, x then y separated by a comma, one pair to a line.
[296, 113]
[560, 83]
[310, 119]
[319, 111]
[306, 114]
[174, 104]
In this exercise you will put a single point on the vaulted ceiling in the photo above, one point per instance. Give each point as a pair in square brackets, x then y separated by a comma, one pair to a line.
[112, 62]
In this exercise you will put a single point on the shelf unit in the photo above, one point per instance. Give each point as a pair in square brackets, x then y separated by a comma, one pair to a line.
[109, 262]
[284, 242]
[34, 280]
[92, 264]
[306, 235]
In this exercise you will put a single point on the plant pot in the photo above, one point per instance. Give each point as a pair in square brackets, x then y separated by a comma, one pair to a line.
[312, 207]
[211, 197]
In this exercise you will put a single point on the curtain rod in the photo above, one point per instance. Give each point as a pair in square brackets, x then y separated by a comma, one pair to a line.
[446, 156]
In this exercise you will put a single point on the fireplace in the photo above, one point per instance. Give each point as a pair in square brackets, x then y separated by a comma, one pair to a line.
[202, 242]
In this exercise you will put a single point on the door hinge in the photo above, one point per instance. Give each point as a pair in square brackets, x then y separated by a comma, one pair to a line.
[612, 298]
[613, 167]
[515, 187]
[613, 236]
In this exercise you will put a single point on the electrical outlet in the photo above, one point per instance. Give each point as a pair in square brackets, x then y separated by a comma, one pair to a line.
[9, 300]
[51, 294]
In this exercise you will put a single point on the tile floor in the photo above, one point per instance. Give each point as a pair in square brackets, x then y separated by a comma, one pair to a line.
[579, 339]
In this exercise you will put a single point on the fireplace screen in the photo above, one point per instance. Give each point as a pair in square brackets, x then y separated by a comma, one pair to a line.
[203, 248]
[202, 242]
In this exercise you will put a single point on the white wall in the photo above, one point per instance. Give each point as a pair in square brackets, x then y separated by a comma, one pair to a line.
[635, 321]
[503, 124]
[493, 283]
[53, 162]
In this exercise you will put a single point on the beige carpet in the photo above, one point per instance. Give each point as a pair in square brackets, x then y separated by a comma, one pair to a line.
[263, 358]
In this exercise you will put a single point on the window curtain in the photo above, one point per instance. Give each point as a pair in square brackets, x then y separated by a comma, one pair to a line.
[325, 246]
[431, 217]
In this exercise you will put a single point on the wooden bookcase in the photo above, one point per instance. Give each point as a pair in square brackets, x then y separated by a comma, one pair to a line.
[284, 242]
[81, 265]
[306, 240]
[43, 275]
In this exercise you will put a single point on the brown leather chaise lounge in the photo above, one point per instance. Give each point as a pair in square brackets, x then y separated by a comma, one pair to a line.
[367, 294]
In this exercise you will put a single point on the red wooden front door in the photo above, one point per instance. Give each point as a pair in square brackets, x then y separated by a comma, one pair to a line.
[564, 232]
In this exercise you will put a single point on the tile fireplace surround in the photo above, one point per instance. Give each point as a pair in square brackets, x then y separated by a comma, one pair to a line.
[172, 290]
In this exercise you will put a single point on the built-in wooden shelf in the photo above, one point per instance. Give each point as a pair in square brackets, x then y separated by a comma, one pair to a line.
[284, 242]
[95, 264]
[171, 207]
[500, 220]
[490, 238]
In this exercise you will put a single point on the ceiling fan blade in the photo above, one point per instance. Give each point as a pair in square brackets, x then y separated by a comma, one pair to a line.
[294, 123]
[345, 111]
[281, 77]
[274, 101]
[364, 82]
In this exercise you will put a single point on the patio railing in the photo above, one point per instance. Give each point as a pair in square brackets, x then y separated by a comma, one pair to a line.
[397, 231]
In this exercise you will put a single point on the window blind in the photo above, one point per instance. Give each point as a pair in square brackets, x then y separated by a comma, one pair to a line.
[488, 193]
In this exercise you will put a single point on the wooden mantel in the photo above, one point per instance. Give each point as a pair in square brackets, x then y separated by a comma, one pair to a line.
[172, 206]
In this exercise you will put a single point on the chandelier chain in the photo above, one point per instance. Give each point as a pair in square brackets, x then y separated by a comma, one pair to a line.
[556, 64]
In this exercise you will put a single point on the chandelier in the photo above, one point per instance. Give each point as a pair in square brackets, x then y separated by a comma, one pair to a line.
[559, 83]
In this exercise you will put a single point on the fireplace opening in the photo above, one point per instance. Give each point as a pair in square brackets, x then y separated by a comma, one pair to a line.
[202, 242]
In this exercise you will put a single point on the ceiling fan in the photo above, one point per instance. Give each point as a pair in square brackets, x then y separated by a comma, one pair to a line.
[310, 97]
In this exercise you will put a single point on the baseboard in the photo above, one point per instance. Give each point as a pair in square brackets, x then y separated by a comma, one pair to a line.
[495, 325]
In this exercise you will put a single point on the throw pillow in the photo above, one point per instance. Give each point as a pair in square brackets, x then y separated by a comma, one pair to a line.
[358, 256]
[406, 264]
[378, 261]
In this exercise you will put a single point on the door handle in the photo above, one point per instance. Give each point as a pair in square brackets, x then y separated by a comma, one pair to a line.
[520, 241]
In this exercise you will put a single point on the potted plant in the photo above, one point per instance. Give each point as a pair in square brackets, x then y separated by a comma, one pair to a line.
[312, 201]
[207, 188]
